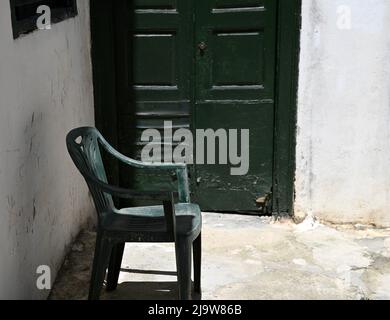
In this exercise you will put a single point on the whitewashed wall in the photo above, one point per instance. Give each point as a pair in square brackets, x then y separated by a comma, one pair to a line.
[45, 90]
[343, 152]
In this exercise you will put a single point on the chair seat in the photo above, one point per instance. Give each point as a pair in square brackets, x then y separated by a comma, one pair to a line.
[151, 219]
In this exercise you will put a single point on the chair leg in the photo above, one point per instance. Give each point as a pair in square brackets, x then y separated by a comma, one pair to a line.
[100, 261]
[183, 263]
[197, 247]
[114, 267]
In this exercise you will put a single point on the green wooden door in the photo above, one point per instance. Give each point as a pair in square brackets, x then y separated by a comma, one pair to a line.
[235, 82]
[205, 65]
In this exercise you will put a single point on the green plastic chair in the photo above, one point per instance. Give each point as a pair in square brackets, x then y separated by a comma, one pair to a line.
[179, 223]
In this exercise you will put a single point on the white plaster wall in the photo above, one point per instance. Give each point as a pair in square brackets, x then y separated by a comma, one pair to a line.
[343, 151]
[45, 90]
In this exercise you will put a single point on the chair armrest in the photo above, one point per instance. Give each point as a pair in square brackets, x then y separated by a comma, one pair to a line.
[139, 164]
[166, 197]
[125, 193]
[180, 168]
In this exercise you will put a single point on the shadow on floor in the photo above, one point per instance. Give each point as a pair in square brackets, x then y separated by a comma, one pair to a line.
[143, 291]
[155, 272]
[146, 290]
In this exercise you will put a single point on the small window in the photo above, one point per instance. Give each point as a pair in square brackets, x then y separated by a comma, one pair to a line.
[25, 16]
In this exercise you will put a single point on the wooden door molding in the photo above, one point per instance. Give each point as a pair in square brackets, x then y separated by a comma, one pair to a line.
[289, 24]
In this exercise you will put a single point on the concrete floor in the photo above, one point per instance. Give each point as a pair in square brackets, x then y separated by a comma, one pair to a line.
[250, 258]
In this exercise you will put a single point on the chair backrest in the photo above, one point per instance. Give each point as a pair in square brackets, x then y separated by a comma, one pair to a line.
[84, 148]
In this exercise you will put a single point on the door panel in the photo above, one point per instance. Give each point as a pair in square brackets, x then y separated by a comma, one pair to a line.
[239, 61]
[235, 82]
[154, 48]
[155, 69]
[218, 189]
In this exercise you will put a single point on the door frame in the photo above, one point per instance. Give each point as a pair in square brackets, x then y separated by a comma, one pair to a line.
[289, 23]
[287, 73]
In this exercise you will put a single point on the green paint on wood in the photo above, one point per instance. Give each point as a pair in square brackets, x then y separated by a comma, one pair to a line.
[202, 64]
[235, 81]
